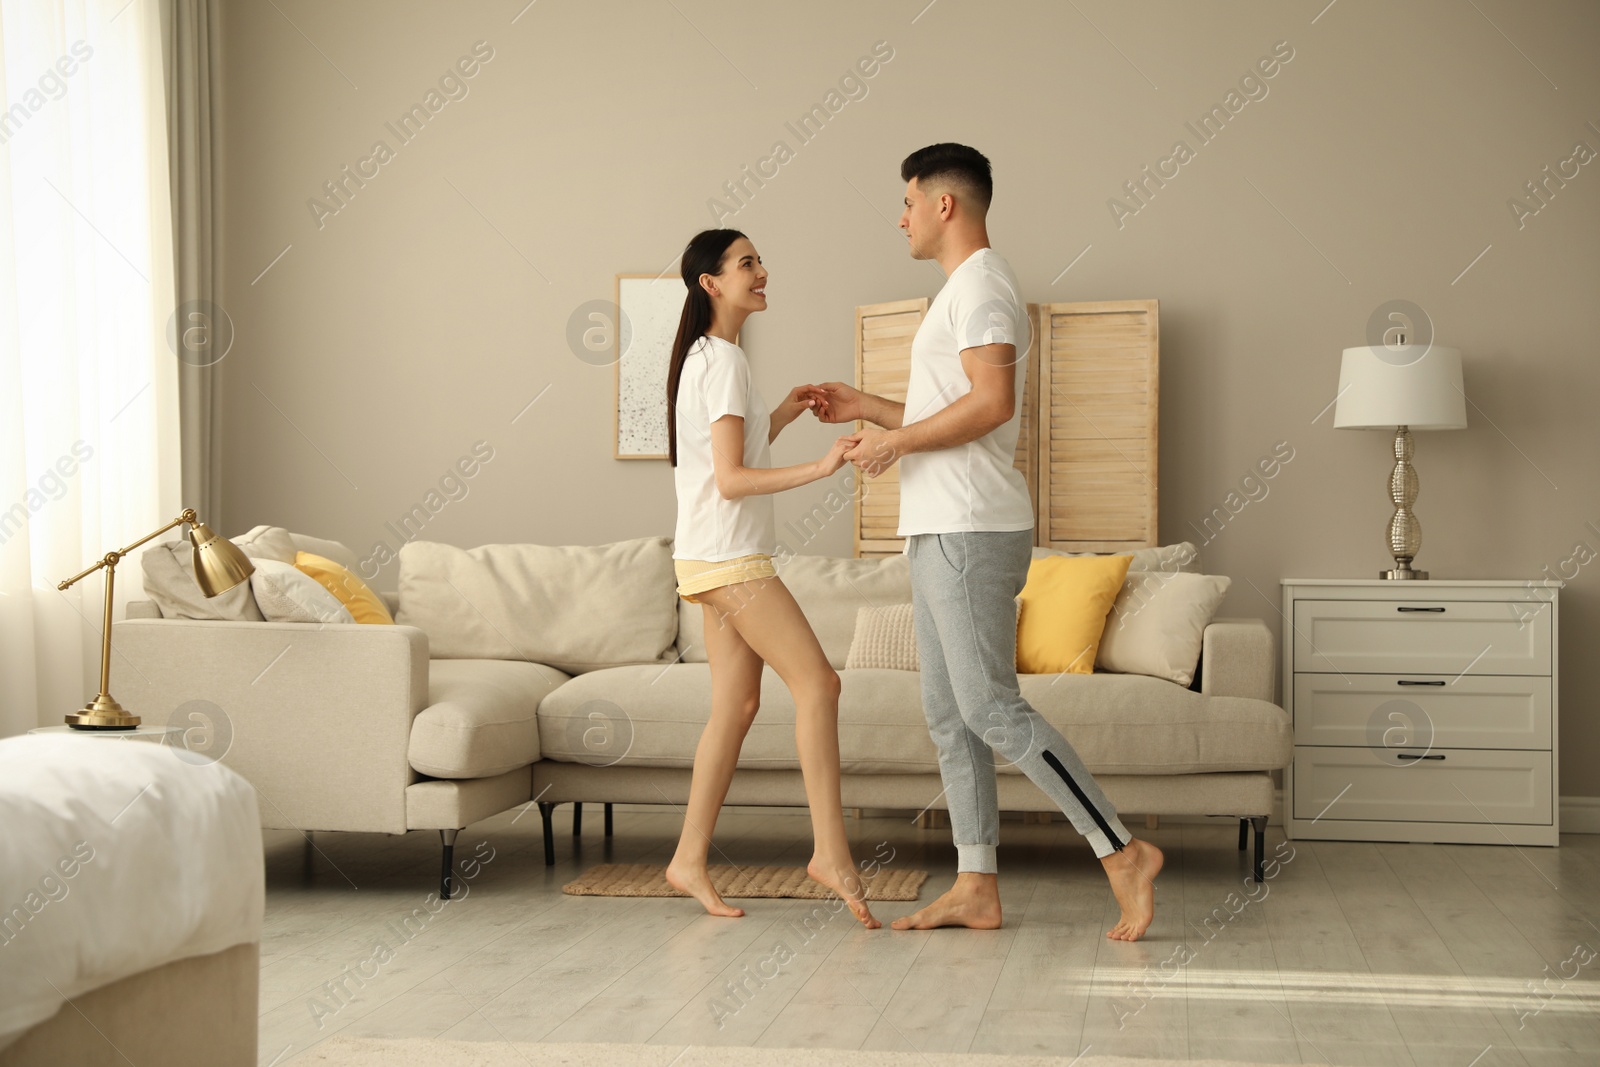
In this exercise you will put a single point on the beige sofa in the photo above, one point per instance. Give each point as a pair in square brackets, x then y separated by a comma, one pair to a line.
[573, 675]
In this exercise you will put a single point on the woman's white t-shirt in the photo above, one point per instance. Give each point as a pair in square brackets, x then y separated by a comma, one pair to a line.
[716, 382]
[974, 486]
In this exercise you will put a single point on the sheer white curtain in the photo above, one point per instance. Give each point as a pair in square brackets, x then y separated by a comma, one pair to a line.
[89, 451]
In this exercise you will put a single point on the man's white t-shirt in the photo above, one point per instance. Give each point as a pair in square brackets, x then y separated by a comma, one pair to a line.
[974, 486]
[716, 382]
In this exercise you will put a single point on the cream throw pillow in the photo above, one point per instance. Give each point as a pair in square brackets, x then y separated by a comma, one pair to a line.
[285, 594]
[884, 638]
[1158, 623]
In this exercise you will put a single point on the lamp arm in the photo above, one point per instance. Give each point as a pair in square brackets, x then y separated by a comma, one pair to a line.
[110, 558]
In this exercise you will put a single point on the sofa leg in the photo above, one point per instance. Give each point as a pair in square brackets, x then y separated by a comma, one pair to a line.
[546, 810]
[1260, 824]
[577, 819]
[1244, 833]
[449, 839]
[608, 820]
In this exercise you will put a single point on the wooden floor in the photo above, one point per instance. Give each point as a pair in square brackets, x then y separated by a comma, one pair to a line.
[1457, 956]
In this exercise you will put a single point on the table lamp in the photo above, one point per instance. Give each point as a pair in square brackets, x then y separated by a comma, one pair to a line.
[219, 565]
[1401, 388]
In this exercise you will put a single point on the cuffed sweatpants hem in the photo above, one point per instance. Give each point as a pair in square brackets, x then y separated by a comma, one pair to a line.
[979, 859]
[1102, 844]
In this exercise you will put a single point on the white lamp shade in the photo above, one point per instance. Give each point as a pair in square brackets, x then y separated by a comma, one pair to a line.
[1379, 390]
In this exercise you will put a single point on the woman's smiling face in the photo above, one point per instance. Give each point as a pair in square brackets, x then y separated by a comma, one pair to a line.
[743, 281]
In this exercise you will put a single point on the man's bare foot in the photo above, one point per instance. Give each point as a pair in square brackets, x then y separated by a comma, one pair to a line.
[695, 882]
[845, 881]
[1133, 874]
[973, 902]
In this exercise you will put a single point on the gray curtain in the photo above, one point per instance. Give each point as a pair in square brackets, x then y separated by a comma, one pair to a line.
[191, 41]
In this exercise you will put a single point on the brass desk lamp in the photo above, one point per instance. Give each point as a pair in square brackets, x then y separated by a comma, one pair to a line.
[218, 567]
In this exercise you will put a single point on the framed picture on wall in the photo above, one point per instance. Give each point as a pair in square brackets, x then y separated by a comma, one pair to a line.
[648, 306]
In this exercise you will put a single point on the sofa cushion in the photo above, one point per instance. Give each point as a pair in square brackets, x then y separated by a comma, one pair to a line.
[577, 608]
[652, 716]
[481, 717]
[829, 591]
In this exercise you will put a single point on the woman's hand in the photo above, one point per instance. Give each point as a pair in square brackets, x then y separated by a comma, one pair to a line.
[835, 457]
[801, 398]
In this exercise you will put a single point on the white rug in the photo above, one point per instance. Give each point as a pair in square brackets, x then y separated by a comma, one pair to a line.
[427, 1052]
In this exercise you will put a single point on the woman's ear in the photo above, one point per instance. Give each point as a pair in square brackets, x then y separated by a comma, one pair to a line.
[708, 282]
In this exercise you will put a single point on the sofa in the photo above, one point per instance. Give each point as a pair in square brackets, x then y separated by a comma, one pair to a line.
[574, 674]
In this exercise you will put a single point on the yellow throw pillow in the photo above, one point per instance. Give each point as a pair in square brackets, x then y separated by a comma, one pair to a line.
[351, 591]
[1062, 612]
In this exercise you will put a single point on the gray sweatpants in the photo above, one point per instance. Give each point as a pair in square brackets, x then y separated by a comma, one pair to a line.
[963, 588]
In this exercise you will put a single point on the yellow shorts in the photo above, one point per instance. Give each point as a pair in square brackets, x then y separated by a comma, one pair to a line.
[697, 576]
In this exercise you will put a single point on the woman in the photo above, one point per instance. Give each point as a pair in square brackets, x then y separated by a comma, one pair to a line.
[719, 431]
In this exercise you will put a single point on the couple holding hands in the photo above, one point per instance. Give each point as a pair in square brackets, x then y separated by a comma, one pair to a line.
[968, 522]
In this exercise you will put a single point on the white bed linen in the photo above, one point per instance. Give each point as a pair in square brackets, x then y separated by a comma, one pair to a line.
[116, 856]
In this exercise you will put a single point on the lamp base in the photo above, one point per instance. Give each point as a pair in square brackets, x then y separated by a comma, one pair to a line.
[103, 713]
[1404, 574]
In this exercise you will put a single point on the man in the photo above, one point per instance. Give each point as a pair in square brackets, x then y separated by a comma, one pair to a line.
[968, 523]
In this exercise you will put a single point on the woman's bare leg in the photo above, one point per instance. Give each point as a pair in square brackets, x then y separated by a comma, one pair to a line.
[735, 696]
[766, 616]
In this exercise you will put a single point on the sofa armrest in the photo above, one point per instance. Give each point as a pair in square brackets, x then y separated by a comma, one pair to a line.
[143, 609]
[317, 718]
[1238, 660]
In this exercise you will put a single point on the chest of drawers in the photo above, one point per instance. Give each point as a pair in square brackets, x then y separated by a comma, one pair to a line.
[1423, 711]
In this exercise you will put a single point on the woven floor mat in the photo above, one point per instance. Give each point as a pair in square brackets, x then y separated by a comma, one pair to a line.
[649, 880]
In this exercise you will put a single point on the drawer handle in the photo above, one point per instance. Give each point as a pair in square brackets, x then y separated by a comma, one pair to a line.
[1406, 607]
[1431, 681]
[1413, 755]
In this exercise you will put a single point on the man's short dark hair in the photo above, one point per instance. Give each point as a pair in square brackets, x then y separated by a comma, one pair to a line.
[955, 164]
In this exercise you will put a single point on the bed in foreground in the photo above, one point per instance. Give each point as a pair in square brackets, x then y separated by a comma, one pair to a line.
[132, 889]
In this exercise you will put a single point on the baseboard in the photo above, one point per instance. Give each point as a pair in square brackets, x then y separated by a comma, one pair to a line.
[1580, 815]
[1275, 819]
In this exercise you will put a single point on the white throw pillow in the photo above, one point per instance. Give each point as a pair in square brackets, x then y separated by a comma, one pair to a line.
[1158, 622]
[885, 638]
[285, 594]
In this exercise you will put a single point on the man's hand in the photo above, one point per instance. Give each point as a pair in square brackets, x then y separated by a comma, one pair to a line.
[841, 402]
[873, 452]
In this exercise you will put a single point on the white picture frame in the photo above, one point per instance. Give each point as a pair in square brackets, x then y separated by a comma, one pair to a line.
[648, 309]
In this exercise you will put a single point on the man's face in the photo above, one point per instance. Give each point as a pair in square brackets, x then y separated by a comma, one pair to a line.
[920, 221]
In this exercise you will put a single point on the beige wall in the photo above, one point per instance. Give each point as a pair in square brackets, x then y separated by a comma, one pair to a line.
[427, 313]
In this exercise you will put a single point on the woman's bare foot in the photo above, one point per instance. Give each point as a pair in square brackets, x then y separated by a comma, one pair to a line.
[1133, 874]
[845, 881]
[695, 882]
[973, 902]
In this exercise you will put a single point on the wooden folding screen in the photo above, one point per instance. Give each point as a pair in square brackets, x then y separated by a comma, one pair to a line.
[1099, 369]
